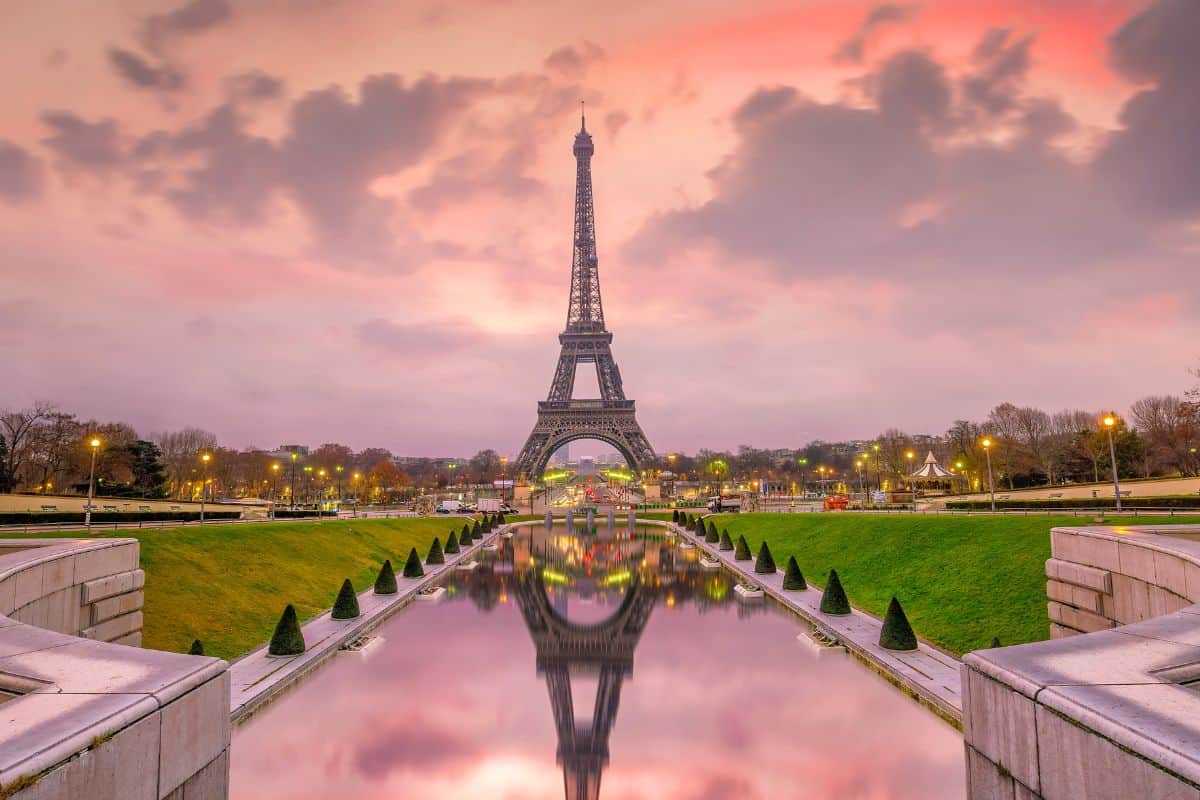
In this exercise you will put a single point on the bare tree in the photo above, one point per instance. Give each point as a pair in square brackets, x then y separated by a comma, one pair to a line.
[1033, 432]
[181, 452]
[1169, 428]
[18, 429]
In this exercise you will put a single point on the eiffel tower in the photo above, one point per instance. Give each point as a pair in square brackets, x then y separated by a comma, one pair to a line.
[585, 340]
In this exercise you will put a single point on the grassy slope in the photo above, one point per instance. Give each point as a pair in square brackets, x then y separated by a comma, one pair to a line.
[227, 584]
[962, 580]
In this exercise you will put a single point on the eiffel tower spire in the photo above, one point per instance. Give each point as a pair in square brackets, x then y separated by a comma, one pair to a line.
[585, 340]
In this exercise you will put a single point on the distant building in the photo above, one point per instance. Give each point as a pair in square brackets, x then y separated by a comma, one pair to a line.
[285, 451]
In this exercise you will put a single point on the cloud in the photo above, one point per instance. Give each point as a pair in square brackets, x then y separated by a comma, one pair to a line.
[1152, 158]
[191, 18]
[254, 85]
[403, 341]
[614, 121]
[853, 49]
[138, 72]
[573, 62]
[21, 174]
[83, 145]
[1001, 64]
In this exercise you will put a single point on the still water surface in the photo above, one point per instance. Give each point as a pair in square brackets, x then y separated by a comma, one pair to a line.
[581, 666]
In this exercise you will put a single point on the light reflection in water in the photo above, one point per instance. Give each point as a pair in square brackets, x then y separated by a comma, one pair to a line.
[724, 702]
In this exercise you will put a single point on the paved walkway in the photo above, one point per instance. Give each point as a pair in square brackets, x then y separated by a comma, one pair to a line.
[926, 673]
[258, 678]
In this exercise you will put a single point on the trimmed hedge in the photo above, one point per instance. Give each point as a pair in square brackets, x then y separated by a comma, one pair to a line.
[465, 536]
[346, 605]
[288, 639]
[995, 643]
[765, 563]
[1098, 503]
[897, 634]
[451, 543]
[50, 517]
[793, 578]
[834, 601]
[386, 582]
[741, 552]
[675, 515]
[476, 530]
[435, 553]
[726, 542]
[712, 537]
[412, 567]
[197, 648]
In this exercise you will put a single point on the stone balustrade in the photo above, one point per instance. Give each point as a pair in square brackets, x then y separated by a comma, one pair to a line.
[84, 711]
[1108, 707]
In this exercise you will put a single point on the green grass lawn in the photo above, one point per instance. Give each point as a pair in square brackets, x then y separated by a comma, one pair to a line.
[227, 584]
[961, 580]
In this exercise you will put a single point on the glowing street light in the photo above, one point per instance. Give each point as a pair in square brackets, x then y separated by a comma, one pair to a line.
[912, 479]
[987, 448]
[1110, 422]
[87, 515]
[292, 484]
[274, 476]
[204, 459]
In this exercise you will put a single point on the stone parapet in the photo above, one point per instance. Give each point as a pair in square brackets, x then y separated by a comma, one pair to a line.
[1110, 714]
[89, 716]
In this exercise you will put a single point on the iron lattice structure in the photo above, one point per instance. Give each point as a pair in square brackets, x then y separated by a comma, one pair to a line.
[585, 340]
[605, 648]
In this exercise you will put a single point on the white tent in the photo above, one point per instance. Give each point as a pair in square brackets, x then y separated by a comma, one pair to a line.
[931, 470]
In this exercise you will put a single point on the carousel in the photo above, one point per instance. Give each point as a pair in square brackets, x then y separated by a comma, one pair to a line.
[934, 479]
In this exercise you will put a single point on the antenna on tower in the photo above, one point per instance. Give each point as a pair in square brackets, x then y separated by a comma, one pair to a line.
[582, 116]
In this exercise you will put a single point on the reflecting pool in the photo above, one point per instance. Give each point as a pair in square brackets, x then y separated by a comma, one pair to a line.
[574, 665]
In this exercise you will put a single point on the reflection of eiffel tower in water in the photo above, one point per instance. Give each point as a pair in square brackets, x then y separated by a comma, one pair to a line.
[605, 647]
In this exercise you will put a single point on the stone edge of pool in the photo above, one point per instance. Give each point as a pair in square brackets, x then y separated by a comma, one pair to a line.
[927, 674]
[1103, 709]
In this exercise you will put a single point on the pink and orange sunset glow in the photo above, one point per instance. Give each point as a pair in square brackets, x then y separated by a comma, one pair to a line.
[325, 220]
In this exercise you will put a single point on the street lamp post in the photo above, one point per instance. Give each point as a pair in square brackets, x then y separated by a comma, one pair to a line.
[987, 449]
[274, 476]
[292, 484]
[912, 478]
[204, 483]
[308, 473]
[320, 492]
[338, 469]
[1110, 422]
[859, 466]
[354, 484]
[87, 512]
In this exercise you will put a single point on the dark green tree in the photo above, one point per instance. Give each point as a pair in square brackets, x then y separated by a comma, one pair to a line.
[711, 536]
[386, 582]
[197, 648]
[995, 643]
[741, 552]
[435, 553]
[346, 605]
[500, 520]
[726, 542]
[451, 543]
[897, 634]
[476, 530]
[465, 537]
[674, 511]
[793, 578]
[834, 601]
[412, 567]
[765, 563]
[149, 472]
[288, 639]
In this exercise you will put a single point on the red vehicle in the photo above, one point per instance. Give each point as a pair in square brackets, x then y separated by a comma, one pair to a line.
[836, 502]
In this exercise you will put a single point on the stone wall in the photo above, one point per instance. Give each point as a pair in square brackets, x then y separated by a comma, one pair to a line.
[1109, 714]
[94, 717]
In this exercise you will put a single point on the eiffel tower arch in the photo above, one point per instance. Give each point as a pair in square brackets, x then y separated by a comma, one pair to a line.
[605, 647]
[611, 418]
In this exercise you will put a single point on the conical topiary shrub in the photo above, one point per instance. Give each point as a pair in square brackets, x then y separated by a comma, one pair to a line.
[451, 543]
[197, 649]
[712, 537]
[995, 643]
[500, 520]
[741, 552]
[686, 519]
[834, 600]
[897, 634]
[476, 530]
[346, 605]
[486, 524]
[675, 515]
[793, 578]
[412, 567]
[465, 536]
[435, 553]
[765, 563]
[726, 542]
[386, 582]
[288, 640]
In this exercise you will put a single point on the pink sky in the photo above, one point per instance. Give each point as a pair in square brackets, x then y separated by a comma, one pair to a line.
[322, 220]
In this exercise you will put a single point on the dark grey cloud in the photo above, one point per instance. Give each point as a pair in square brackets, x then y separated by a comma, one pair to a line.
[83, 145]
[21, 174]
[190, 18]
[853, 49]
[1000, 64]
[254, 85]
[573, 62]
[476, 172]
[911, 89]
[140, 73]
[1153, 158]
